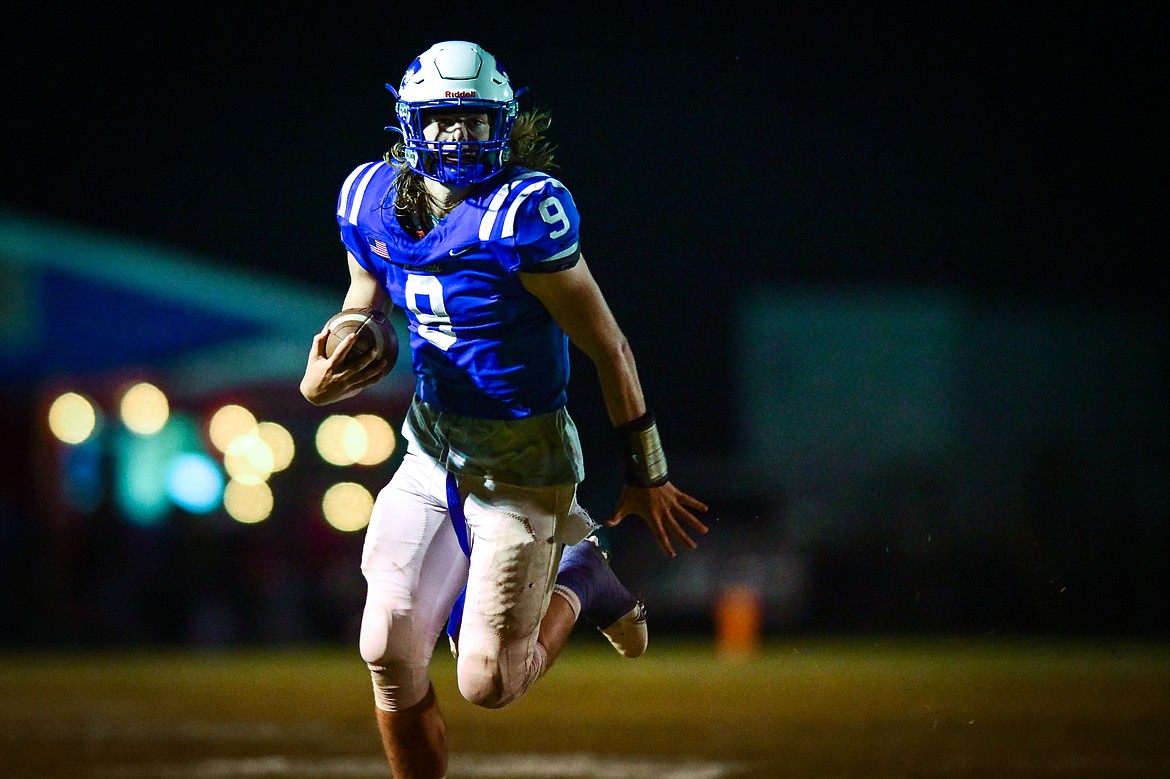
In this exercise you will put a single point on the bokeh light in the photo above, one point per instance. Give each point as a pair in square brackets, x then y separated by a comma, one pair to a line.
[380, 439]
[228, 423]
[247, 503]
[194, 482]
[248, 459]
[347, 506]
[144, 409]
[279, 441]
[72, 418]
[341, 440]
[140, 468]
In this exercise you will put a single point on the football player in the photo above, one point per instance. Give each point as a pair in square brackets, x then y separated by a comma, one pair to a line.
[461, 227]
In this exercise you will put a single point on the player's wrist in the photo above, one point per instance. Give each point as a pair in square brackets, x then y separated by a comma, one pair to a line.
[643, 456]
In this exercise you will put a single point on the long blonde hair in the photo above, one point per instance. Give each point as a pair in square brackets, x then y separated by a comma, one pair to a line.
[527, 144]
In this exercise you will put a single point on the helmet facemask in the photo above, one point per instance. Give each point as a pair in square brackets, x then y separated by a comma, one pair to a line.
[455, 77]
[457, 163]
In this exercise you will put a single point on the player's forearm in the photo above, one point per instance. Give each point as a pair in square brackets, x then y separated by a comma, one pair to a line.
[634, 423]
[319, 393]
[621, 389]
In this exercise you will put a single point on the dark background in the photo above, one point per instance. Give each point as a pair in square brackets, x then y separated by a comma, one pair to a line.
[985, 148]
[996, 152]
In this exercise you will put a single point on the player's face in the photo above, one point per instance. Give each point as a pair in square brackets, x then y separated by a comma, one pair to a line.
[457, 127]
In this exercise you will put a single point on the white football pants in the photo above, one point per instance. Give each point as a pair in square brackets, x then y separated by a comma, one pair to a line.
[415, 569]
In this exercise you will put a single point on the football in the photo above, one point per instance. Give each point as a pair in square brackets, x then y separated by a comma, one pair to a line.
[375, 332]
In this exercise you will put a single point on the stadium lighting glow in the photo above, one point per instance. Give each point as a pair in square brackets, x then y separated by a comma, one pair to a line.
[380, 439]
[142, 467]
[82, 482]
[280, 441]
[247, 503]
[347, 506]
[194, 483]
[72, 418]
[228, 423]
[144, 409]
[341, 440]
[140, 476]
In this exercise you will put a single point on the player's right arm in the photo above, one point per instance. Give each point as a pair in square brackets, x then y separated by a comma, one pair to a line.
[329, 379]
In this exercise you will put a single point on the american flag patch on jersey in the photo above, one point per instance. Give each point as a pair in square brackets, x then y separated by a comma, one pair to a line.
[378, 247]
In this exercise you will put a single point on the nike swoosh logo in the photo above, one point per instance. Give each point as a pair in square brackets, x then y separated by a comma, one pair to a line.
[462, 251]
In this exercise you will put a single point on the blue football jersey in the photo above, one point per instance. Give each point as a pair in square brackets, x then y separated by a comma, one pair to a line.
[481, 345]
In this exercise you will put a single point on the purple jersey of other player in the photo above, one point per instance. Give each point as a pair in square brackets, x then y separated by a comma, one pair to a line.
[482, 345]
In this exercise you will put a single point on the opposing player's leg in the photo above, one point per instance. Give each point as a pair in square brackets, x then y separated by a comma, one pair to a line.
[592, 590]
[414, 569]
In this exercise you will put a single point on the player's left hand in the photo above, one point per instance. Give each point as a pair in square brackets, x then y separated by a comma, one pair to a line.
[667, 511]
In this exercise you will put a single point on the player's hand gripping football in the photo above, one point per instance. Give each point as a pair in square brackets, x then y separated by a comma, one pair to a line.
[667, 511]
[330, 378]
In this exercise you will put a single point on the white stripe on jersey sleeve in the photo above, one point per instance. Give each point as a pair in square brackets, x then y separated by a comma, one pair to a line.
[489, 219]
[510, 220]
[565, 253]
[366, 174]
[343, 199]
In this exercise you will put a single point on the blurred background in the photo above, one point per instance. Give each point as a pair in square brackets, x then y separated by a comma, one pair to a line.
[890, 274]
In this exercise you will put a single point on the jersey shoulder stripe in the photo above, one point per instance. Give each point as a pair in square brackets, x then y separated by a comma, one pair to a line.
[353, 191]
[516, 191]
[509, 228]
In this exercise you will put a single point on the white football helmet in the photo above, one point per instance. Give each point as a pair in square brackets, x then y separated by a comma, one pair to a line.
[462, 76]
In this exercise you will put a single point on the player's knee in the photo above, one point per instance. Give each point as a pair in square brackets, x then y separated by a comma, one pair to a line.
[485, 689]
[486, 682]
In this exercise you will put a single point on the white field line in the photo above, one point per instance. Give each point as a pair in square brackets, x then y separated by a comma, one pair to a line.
[461, 766]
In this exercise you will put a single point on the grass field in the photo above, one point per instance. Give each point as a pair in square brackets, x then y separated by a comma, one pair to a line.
[879, 707]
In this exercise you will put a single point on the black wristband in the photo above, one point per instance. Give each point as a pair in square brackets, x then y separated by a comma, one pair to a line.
[645, 462]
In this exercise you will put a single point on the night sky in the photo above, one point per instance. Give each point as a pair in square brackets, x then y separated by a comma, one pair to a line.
[987, 150]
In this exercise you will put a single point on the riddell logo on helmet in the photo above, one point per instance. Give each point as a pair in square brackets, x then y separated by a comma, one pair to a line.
[460, 93]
